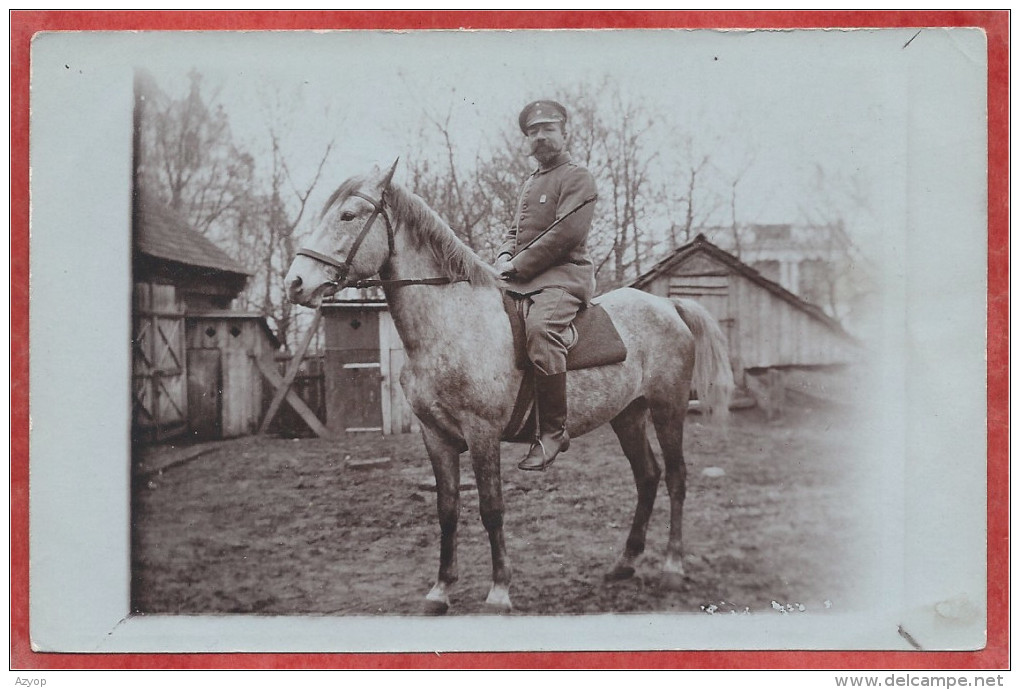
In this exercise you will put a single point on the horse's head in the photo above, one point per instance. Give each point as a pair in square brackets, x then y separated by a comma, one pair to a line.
[352, 240]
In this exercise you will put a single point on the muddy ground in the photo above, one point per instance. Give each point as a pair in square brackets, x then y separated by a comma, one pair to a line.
[274, 526]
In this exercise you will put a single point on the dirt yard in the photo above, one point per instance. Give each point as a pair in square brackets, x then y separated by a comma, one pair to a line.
[280, 526]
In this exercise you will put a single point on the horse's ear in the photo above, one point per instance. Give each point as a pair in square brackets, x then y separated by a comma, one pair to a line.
[389, 175]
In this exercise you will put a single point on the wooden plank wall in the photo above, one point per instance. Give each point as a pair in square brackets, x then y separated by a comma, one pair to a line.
[774, 333]
[241, 397]
[763, 329]
[237, 342]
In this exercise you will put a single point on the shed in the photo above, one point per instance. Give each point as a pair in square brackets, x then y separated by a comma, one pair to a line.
[363, 359]
[225, 387]
[767, 326]
[193, 358]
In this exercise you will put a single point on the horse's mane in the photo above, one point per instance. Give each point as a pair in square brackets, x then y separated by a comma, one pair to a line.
[455, 258]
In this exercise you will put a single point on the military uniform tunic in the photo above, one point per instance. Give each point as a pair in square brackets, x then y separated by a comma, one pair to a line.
[554, 272]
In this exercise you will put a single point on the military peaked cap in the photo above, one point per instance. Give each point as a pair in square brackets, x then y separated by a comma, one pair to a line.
[541, 111]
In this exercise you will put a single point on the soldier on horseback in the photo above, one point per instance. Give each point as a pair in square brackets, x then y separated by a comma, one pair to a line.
[544, 261]
[461, 373]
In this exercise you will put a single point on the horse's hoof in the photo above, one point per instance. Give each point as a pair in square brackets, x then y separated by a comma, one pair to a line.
[436, 601]
[498, 609]
[436, 607]
[498, 601]
[673, 581]
[619, 572]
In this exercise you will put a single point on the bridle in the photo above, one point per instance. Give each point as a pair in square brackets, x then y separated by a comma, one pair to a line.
[344, 267]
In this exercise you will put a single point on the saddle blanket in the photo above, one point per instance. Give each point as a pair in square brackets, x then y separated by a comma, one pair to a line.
[595, 343]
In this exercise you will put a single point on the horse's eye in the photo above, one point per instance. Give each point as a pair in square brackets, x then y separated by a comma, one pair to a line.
[347, 215]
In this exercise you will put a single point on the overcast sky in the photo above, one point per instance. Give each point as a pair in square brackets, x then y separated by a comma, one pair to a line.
[793, 100]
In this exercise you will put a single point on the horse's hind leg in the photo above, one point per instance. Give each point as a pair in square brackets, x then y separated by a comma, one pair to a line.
[669, 427]
[445, 459]
[630, 427]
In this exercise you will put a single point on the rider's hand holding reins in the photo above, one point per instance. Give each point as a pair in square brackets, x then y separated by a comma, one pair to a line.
[505, 267]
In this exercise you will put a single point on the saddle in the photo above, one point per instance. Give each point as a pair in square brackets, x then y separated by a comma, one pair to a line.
[595, 343]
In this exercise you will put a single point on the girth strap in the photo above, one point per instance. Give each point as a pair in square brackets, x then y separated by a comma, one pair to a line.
[524, 403]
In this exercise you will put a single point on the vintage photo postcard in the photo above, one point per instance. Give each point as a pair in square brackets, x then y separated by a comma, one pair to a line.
[514, 340]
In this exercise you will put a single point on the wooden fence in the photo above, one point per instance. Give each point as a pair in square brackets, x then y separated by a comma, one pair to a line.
[310, 386]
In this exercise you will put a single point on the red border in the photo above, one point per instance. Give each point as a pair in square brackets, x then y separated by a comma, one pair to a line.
[24, 24]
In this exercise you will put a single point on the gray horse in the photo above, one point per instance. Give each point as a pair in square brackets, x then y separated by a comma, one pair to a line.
[461, 380]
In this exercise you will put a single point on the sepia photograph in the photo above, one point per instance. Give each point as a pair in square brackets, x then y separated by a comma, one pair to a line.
[572, 340]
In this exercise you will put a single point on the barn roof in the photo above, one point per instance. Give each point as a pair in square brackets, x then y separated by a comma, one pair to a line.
[163, 234]
[701, 245]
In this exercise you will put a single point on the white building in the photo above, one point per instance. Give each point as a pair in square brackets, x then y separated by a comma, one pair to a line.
[812, 261]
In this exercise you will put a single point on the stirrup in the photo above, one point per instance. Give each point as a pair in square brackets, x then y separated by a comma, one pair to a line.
[546, 459]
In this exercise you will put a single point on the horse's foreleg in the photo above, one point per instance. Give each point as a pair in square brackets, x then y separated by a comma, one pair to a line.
[669, 428]
[445, 459]
[630, 426]
[485, 462]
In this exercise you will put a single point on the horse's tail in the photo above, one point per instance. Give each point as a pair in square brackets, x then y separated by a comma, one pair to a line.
[713, 377]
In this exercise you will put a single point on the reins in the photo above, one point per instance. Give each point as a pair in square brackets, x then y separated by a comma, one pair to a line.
[345, 267]
[382, 282]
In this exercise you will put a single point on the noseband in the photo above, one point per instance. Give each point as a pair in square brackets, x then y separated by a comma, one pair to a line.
[345, 266]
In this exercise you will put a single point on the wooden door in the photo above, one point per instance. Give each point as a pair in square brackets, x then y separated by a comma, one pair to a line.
[239, 414]
[159, 405]
[360, 385]
[204, 393]
[353, 372]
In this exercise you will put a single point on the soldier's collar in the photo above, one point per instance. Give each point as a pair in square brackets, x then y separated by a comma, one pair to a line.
[561, 159]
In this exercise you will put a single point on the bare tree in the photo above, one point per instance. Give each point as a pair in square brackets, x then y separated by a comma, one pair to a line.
[453, 188]
[288, 223]
[844, 276]
[628, 174]
[610, 133]
[735, 179]
[284, 207]
[251, 206]
[692, 193]
[190, 159]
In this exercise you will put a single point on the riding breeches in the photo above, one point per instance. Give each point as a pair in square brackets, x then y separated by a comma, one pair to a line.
[547, 318]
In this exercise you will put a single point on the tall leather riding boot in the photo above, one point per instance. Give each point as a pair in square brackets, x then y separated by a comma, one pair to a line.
[551, 399]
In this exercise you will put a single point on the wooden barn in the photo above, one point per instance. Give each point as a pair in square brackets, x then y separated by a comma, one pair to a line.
[769, 328]
[363, 359]
[195, 362]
